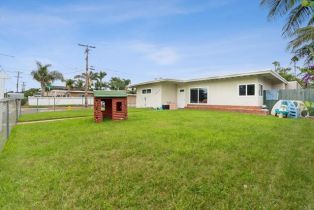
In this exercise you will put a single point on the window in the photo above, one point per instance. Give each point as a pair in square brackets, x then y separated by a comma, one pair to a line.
[194, 95]
[146, 91]
[242, 90]
[202, 96]
[261, 90]
[119, 106]
[181, 90]
[198, 95]
[250, 90]
[247, 90]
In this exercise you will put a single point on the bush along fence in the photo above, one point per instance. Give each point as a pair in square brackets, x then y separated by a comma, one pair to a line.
[305, 95]
[10, 112]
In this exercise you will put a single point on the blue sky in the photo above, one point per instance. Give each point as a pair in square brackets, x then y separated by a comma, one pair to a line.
[139, 39]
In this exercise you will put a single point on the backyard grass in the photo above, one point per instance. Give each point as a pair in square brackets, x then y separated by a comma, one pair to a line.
[184, 159]
[55, 115]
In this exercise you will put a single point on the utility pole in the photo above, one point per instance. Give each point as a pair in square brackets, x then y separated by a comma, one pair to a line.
[17, 81]
[23, 87]
[87, 49]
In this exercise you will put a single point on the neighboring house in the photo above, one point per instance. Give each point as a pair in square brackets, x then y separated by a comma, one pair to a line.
[235, 90]
[61, 91]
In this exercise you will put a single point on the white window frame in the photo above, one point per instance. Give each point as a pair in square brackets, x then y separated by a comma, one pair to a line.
[246, 95]
[146, 91]
[260, 90]
[198, 95]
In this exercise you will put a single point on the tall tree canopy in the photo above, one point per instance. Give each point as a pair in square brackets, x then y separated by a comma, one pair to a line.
[117, 83]
[44, 76]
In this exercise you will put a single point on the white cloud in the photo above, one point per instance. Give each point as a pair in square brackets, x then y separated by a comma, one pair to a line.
[158, 54]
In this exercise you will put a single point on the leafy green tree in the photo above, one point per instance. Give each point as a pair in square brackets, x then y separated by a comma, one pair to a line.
[117, 83]
[79, 84]
[44, 76]
[307, 76]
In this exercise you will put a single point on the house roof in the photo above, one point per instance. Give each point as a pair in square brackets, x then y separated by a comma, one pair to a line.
[266, 74]
[110, 93]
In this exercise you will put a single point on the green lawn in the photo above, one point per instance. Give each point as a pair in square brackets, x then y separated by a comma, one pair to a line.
[184, 159]
[56, 115]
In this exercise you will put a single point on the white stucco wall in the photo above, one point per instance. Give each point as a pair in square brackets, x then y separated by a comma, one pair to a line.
[148, 100]
[226, 91]
[293, 85]
[220, 92]
[168, 93]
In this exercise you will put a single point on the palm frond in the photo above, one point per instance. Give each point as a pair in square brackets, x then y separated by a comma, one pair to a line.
[303, 36]
[278, 7]
[297, 17]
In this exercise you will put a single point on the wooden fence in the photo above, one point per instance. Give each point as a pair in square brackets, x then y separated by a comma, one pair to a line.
[305, 95]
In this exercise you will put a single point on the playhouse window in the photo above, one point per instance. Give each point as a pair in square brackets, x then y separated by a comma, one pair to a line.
[119, 106]
[103, 105]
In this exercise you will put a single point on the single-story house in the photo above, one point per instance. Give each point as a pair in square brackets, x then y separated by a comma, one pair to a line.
[234, 90]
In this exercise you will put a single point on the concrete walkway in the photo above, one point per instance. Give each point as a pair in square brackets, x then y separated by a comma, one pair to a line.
[51, 120]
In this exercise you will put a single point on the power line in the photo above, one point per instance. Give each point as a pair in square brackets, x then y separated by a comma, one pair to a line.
[7, 55]
[87, 49]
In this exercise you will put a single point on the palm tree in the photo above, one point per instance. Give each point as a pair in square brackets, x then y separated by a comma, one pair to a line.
[294, 60]
[79, 84]
[69, 83]
[101, 75]
[91, 76]
[306, 52]
[277, 65]
[44, 76]
[299, 13]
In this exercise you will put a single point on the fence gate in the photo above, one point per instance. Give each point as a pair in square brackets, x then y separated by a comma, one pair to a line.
[305, 95]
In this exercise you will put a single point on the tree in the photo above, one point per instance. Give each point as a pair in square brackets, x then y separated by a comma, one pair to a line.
[117, 83]
[79, 84]
[307, 76]
[99, 83]
[91, 76]
[44, 76]
[276, 64]
[69, 83]
[306, 52]
[294, 60]
[298, 12]
[299, 24]
[284, 72]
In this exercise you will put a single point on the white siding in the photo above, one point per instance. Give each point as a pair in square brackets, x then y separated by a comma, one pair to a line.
[226, 91]
[168, 93]
[149, 100]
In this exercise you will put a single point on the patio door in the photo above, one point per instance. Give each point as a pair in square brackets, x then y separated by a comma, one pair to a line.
[181, 98]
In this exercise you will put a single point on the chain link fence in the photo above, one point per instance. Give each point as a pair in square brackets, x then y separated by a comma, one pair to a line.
[10, 112]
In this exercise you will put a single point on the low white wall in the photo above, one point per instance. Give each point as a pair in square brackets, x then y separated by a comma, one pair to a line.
[50, 101]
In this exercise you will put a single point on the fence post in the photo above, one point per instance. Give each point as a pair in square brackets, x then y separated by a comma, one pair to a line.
[8, 120]
[54, 103]
[37, 103]
[17, 110]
